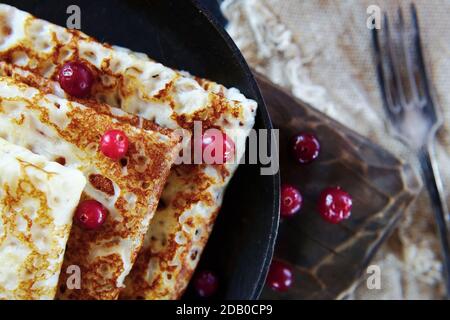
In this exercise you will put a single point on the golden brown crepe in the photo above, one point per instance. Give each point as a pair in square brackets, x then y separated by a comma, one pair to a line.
[37, 201]
[69, 133]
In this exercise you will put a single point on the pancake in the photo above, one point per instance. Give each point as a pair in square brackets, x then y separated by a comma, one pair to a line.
[172, 99]
[48, 86]
[69, 132]
[37, 201]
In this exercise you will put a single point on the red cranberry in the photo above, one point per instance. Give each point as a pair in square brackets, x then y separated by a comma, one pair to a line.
[114, 144]
[91, 214]
[76, 79]
[213, 142]
[305, 147]
[291, 201]
[280, 276]
[206, 283]
[335, 204]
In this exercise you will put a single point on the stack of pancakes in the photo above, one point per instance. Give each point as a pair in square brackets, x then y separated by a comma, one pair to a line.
[50, 161]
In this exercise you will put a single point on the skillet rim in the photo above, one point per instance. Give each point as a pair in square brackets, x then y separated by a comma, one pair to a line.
[267, 123]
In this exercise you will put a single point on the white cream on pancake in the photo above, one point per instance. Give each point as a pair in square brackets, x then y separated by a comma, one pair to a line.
[37, 201]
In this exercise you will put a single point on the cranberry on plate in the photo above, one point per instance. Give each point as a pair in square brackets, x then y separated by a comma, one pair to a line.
[90, 214]
[305, 147]
[211, 142]
[114, 144]
[206, 283]
[335, 204]
[280, 276]
[76, 79]
[291, 201]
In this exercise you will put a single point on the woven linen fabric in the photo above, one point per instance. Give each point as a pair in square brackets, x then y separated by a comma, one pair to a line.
[322, 52]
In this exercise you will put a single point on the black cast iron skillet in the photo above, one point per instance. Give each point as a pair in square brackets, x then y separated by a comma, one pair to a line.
[183, 35]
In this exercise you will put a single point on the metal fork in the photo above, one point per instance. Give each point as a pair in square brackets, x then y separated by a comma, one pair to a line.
[407, 97]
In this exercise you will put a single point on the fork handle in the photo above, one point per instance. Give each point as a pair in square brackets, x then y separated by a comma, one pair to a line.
[433, 183]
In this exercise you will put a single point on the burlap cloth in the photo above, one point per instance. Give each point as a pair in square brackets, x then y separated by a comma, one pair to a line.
[321, 51]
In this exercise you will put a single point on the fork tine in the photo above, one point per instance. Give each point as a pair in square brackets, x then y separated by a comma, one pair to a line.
[407, 53]
[395, 61]
[379, 66]
[421, 78]
[376, 39]
[384, 71]
[410, 85]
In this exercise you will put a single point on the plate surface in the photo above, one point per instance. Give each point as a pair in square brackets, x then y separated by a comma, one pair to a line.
[329, 259]
[180, 34]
